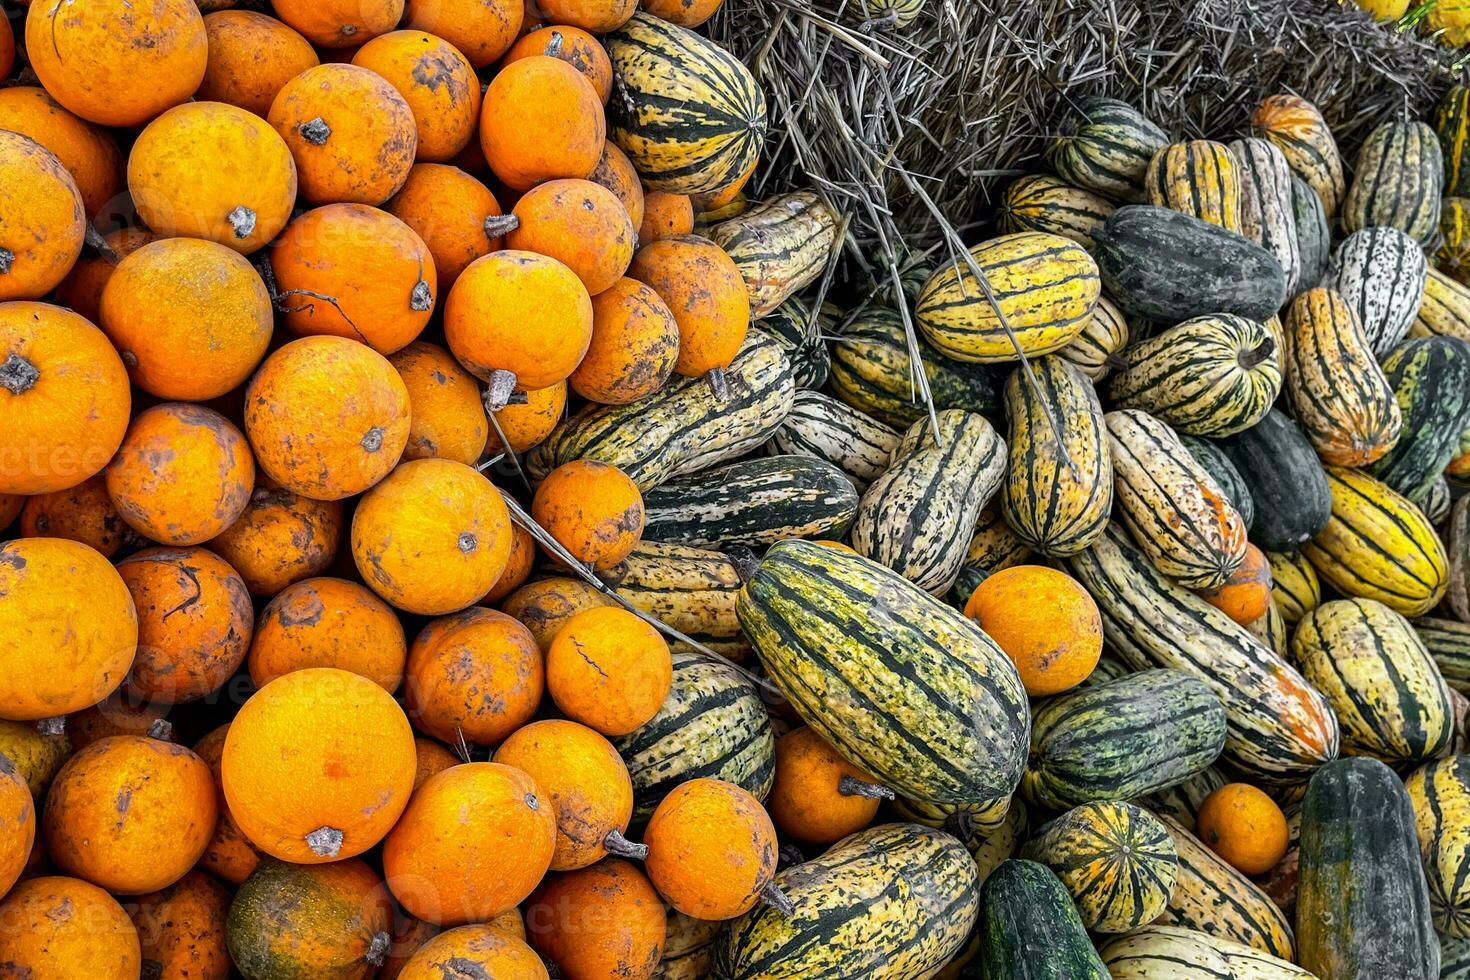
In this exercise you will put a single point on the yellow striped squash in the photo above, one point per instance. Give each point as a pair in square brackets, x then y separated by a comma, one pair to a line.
[1298, 129]
[1199, 178]
[993, 546]
[1041, 202]
[1267, 213]
[1046, 286]
[1337, 391]
[690, 589]
[1440, 794]
[1209, 376]
[1158, 952]
[1294, 585]
[689, 948]
[1448, 642]
[688, 113]
[1116, 860]
[1378, 545]
[1457, 548]
[1097, 349]
[1445, 310]
[1175, 510]
[1001, 844]
[780, 247]
[1453, 254]
[1398, 183]
[1391, 702]
[1271, 629]
[1105, 146]
[970, 822]
[1452, 125]
[1059, 492]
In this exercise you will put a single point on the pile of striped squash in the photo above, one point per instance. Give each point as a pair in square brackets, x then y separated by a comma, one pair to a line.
[1224, 343]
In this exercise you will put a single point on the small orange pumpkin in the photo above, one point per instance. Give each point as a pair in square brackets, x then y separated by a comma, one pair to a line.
[120, 713]
[579, 223]
[597, 16]
[482, 30]
[1244, 826]
[88, 152]
[548, 604]
[517, 567]
[280, 538]
[685, 13]
[18, 823]
[541, 120]
[706, 294]
[84, 513]
[574, 46]
[602, 921]
[230, 856]
[329, 622]
[617, 173]
[478, 950]
[82, 288]
[340, 23]
[592, 509]
[447, 415]
[432, 759]
[665, 215]
[436, 81]
[609, 670]
[64, 927]
[525, 425]
[251, 58]
[182, 929]
[711, 849]
[457, 217]
[476, 675]
[1246, 594]
[1044, 621]
[635, 345]
[818, 797]
[45, 221]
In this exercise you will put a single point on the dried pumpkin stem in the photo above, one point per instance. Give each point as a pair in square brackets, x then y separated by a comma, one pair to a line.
[161, 729]
[502, 386]
[719, 384]
[852, 786]
[325, 841]
[421, 299]
[18, 375]
[52, 726]
[7, 258]
[377, 951]
[619, 846]
[315, 131]
[745, 561]
[500, 225]
[776, 899]
[242, 221]
[1257, 354]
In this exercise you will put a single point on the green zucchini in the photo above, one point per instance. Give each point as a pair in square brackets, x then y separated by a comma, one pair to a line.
[1448, 642]
[1030, 930]
[798, 329]
[1105, 147]
[1399, 181]
[1440, 795]
[1213, 460]
[1431, 382]
[690, 589]
[822, 427]
[1287, 483]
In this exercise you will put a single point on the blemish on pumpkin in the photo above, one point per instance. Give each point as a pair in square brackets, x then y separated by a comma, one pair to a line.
[460, 968]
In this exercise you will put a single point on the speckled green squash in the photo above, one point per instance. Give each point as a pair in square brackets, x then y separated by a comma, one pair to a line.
[1025, 910]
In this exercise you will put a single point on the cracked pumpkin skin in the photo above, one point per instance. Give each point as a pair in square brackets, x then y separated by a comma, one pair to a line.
[447, 415]
[68, 629]
[474, 842]
[251, 58]
[17, 823]
[281, 538]
[609, 670]
[230, 856]
[472, 952]
[328, 417]
[45, 222]
[476, 673]
[592, 509]
[64, 927]
[130, 813]
[436, 81]
[88, 152]
[598, 922]
[546, 605]
[84, 513]
[329, 622]
[181, 929]
[711, 849]
[331, 730]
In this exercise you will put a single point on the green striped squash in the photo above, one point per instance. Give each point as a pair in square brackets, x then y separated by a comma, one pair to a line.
[1105, 146]
[896, 900]
[798, 329]
[1042, 203]
[1002, 844]
[1213, 460]
[689, 948]
[1431, 382]
[899, 683]
[1457, 560]
[1212, 897]
[688, 113]
[683, 427]
[754, 502]
[1029, 927]
[824, 428]
[1437, 500]
[1366, 659]
[1445, 310]
[1334, 385]
[712, 724]
[994, 546]
[918, 516]
[1182, 801]
[1454, 959]
[1209, 376]
[1279, 729]
[1378, 545]
[1271, 630]
[1399, 181]
[1059, 492]
[1198, 178]
[780, 247]
[1448, 642]
[1440, 795]
[1158, 952]
[1116, 860]
[1097, 348]
[972, 823]
[1380, 274]
[1122, 738]
[1295, 588]
[1267, 215]
[1045, 288]
[690, 589]
[1453, 254]
[1172, 506]
[1300, 132]
[872, 372]
[1313, 235]
[1452, 126]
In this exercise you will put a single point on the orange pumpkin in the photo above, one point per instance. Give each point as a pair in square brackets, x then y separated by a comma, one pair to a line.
[1045, 622]
[409, 936]
[17, 823]
[68, 630]
[579, 223]
[609, 670]
[45, 221]
[706, 294]
[183, 474]
[353, 271]
[88, 152]
[191, 318]
[230, 856]
[447, 416]
[84, 513]
[436, 81]
[685, 13]
[589, 786]
[617, 173]
[352, 135]
[328, 417]
[818, 797]
[329, 622]
[665, 215]
[251, 58]
[478, 950]
[635, 345]
[602, 921]
[548, 604]
[517, 567]
[195, 622]
[431, 759]
[63, 927]
[1246, 594]
[120, 713]
[574, 46]
[182, 929]
[81, 290]
[115, 62]
[541, 120]
[525, 425]
[518, 318]
[475, 675]
[597, 16]
[280, 538]
[592, 509]
[131, 814]
[711, 849]
[457, 217]
[1244, 826]
[335, 732]
[340, 23]
[474, 842]
[482, 30]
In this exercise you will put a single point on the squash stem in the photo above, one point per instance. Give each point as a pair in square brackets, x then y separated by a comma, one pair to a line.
[52, 726]
[619, 846]
[852, 786]
[776, 899]
[1257, 354]
[18, 375]
[502, 386]
[325, 841]
[500, 225]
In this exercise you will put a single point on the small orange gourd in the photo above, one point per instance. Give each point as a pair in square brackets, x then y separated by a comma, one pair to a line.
[88, 152]
[81, 290]
[685, 13]
[541, 119]
[280, 538]
[436, 81]
[609, 670]
[475, 950]
[597, 16]
[251, 58]
[340, 23]
[84, 513]
[432, 759]
[593, 510]
[182, 929]
[45, 221]
[579, 223]
[456, 215]
[548, 604]
[704, 291]
[64, 927]
[1044, 621]
[574, 46]
[18, 823]
[230, 856]
[635, 345]
[120, 713]
[617, 173]
[525, 425]
[329, 622]
[517, 567]
[476, 675]
[447, 414]
[1244, 826]
[482, 30]
[818, 797]
[711, 849]
[602, 921]
[1246, 594]
[665, 215]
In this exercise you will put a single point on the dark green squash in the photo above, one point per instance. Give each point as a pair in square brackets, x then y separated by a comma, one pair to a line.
[1286, 481]
[798, 328]
[1313, 236]
[1431, 382]
[1030, 930]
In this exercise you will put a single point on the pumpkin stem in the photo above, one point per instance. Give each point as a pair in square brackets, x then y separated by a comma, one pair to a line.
[377, 951]
[52, 726]
[7, 258]
[315, 131]
[372, 440]
[325, 842]
[852, 786]
[744, 560]
[18, 375]
[553, 47]
[93, 239]
[776, 899]
[619, 846]
[718, 383]
[500, 225]
[1250, 358]
[1116, 361]
[421, 299]
[502, 386]
[161, 729]
[242, 221]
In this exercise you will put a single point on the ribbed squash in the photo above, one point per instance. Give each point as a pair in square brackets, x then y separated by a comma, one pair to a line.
[1043, 203]
[1398, 182]
[1452, 126]
[1267, 215]
[1366, 659]
[1313, 236]
[798, 329]
[1210, 376]
[1437, 500]
[994, 546]
[689, 947]
[1029, 927]
[780, 247]
[688, 113]
[1454, 959]
[1198, 178]
[822, 427]
[1453, 253]
[1175, 510]
[1457, 550]
[1105, 147]
[1445, 310]
[1271, 630]
[1334, 384]
[1286, 481]
[1208, 454]
[1097, 348]
[900, 684]
[1299, 130]
[1448, 642]
[970, 822]
[1159, 952]
[1380, 273]
[896, 900]
[1182, 800]
[1440, 795]
[1431, 382]
[690, 589]
[1294, 586]
[1045, 289]
[1378, 545]
[1059, 492]
[1279, 728]
[917, 517]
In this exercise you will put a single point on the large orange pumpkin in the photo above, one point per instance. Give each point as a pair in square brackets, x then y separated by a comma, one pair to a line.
[457, 217]
[592, 509]
[706, 294]
[602, 921]
[809, 800]
[88, 152]
[339, 23]
[329, 622]
[481, 29]
[280, 538]
[541, 119]
[635, 345]
[44, 222]
[62, 927]
[436, 81]
[251, 58]
[476, 675]
[609, 669]
[84, 513]
[579, 223]
[447, 414]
